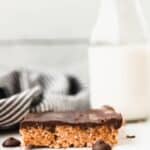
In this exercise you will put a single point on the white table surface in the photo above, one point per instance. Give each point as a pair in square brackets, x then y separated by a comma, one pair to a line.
[140, 142]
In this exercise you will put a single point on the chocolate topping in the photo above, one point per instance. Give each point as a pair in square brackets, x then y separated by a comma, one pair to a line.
[89, 117]
[11, 142]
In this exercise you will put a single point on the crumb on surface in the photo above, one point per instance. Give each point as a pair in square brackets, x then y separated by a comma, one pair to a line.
[130, 136]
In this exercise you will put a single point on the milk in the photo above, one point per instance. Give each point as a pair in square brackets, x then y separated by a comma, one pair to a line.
[119, 59]
[118, 77]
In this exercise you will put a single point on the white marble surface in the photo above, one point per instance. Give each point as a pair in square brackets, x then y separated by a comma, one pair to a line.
[140, 142]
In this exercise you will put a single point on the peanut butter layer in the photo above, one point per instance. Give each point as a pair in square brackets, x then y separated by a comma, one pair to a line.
[64, 136]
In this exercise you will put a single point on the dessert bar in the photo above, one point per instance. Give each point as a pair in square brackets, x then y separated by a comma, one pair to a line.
[71, 128]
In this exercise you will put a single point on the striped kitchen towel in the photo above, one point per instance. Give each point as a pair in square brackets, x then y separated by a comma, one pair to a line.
[24, 91]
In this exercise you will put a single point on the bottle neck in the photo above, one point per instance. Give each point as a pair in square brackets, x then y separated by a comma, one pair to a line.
[120, 22]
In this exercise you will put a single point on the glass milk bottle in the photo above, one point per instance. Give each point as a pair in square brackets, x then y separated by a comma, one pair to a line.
[118, 59]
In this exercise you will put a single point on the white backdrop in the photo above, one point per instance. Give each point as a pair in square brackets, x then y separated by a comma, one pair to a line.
[49, 34]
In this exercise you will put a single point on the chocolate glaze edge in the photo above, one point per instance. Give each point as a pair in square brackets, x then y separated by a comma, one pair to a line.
[111, 119]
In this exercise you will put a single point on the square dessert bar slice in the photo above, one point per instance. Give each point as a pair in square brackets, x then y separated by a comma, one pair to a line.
[71, 128]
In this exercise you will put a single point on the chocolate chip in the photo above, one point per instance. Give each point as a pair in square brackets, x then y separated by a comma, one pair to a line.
[55, 137]
[83, 127]
[100, 145]
[52, 129]
[136, 120]
[71, 145]
[130, 136]
[11, 142]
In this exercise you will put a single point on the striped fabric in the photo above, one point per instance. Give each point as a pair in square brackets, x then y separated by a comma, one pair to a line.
[23, 91]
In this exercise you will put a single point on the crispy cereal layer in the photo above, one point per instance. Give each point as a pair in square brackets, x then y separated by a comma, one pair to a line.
[64, 136]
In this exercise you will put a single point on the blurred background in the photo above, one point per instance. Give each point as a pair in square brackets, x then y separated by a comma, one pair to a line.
[49, 34]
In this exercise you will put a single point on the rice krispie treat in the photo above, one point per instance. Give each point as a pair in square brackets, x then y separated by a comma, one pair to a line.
[71, 128]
